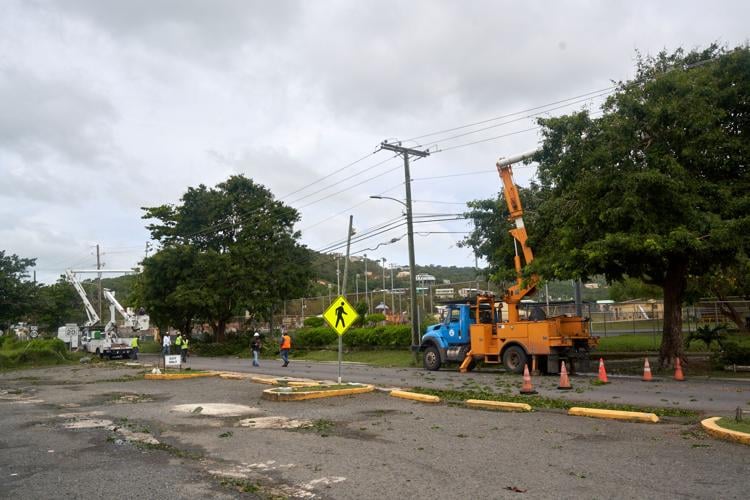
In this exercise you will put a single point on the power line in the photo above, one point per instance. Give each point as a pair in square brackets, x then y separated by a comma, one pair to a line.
[327, 176]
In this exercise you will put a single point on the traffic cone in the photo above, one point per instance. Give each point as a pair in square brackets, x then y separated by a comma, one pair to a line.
[564, 381]
[526, 388]
[678, 370]
[646, 372]
[602, 372]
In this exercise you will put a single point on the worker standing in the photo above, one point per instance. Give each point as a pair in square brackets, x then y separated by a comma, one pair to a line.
[178, 343]
[166, 344]
[286, 344]
[134, 347]
[255, 347]
[184, 351]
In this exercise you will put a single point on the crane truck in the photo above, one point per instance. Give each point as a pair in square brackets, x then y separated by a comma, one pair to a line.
[475, 329]
[103, 344]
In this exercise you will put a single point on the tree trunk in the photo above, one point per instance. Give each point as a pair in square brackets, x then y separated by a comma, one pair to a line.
[729, 311]
[221, 328]
[674, 291]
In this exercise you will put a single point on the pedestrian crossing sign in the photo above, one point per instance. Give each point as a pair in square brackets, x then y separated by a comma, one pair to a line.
[340, 315]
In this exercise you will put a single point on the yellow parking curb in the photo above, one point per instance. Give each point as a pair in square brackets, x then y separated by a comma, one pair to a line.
[716, 430]
[276, 394]
[177, 376]
[424, 398]
[497, 405]
[264, 380]
[632, 416]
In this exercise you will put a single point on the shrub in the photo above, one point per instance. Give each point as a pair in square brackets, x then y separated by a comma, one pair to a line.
[314, 337]
[374, 318]
[734, 354]
[314, 322]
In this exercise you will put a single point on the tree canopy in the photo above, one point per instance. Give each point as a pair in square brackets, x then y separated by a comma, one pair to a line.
[224, 250]
[658, 187]
[16, 291]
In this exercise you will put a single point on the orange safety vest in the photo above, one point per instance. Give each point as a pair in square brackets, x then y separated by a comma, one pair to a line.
[286, 342]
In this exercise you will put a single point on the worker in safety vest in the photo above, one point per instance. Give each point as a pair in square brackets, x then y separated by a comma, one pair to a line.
[286, 344]
[134, 347]
[184, 350]
[178, 343]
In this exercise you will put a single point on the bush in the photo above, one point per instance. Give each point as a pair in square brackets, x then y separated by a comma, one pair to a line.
[314, 337]
[734, 354]
[379, 336]
[374, 318]
[14, 353]
[314, 322]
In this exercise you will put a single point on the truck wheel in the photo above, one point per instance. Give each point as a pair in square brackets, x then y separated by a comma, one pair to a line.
[514, 359]
[431, 358]
[99, 353]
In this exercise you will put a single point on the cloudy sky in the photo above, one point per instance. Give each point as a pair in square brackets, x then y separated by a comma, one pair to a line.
[109, 106]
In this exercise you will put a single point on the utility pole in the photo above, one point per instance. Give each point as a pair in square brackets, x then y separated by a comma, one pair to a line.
[99, 279]
[338, 279]
[393, 306]
[406, 152]
[366, 299]
[346, 268]
[384, 306]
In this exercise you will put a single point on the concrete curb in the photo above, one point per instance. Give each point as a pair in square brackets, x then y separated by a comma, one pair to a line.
[497, 405]
[631, 416]
[712, 428]
[274, 394]
[424, 398]
[177, 376]
[290, 381]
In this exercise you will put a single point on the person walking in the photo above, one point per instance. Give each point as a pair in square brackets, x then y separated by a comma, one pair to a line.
[184, 352]
[286, 344]
[178, 343]
[255, 347]
[134, 348]
[165, 345]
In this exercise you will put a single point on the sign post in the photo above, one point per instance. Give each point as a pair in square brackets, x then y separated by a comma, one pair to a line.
[340, 315]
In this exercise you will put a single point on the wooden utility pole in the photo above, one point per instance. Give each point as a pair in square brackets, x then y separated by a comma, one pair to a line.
[99, 279]
[406, 152]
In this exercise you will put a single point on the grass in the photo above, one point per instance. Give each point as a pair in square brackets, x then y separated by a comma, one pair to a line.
[384, 358]
[550, 403]
[732, 424]
[646, 342]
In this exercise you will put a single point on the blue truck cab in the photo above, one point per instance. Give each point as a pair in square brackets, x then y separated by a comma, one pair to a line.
[449, 340]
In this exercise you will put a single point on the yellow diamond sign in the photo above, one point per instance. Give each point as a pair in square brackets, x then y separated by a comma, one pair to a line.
[340, 315]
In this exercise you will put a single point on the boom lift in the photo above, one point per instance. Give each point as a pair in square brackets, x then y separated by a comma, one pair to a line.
[474, 330]
[103, 344]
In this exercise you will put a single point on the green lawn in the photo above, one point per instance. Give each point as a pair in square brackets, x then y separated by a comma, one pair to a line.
[377, 358]
[639, 343]
[732, 424]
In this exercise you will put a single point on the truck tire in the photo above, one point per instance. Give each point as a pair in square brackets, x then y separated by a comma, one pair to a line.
[431, 358]
[99, 353]
[514, 359]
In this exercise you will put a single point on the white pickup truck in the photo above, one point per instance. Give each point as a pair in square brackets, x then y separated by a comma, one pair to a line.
[107, 345]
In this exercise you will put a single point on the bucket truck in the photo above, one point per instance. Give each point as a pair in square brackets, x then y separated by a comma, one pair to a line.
[104, 344]
[474, 329]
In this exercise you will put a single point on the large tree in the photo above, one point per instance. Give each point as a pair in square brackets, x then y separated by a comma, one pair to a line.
[17, 292]
[658, 187]
[225, 250]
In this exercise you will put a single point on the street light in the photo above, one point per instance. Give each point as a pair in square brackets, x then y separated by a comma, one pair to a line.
[412, 277]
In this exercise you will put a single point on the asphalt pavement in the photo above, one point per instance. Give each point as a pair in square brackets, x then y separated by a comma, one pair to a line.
[717, 397]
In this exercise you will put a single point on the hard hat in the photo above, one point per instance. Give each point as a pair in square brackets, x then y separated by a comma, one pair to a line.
[256, 334]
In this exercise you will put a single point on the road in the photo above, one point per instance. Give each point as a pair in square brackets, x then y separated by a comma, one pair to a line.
[716, 396]
[65, 435]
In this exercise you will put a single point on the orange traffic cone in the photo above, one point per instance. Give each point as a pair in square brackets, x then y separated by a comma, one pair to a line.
[564, 382]
[602, 372]
[646, 372]
[526, 388]
[678, 370]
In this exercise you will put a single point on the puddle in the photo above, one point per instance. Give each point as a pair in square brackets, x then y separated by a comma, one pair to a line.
[274, 423]
[215, 409]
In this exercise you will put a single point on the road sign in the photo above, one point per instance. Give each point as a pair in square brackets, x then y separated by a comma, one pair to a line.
[340, 315]
[172, 360]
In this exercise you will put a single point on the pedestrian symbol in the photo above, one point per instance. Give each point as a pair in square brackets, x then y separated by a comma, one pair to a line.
[340, 315]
